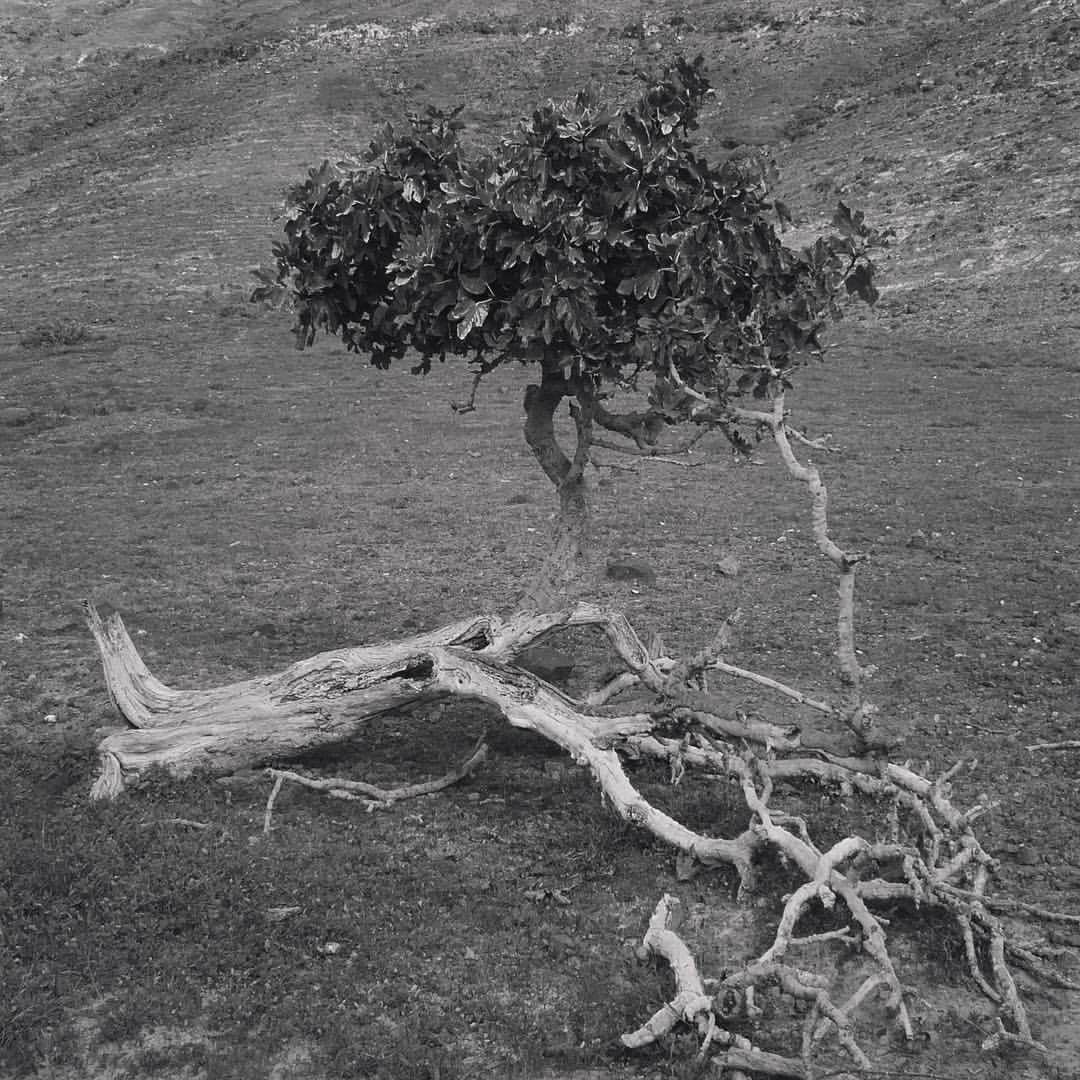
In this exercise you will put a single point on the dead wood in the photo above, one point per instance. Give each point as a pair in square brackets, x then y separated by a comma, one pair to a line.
[937, 859]
[924, 853]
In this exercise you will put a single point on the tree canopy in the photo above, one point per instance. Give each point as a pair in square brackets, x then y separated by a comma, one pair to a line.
[594, 241]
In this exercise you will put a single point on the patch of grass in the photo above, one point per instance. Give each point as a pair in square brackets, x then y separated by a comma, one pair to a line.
[64, 332]
[334, 928]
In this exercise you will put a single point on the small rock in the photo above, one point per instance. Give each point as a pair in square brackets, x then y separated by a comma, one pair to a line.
[265, 629]
[728, 566]
[918, 539]
[519, 499]
[631, 570]
[15, 416]
[280, 914]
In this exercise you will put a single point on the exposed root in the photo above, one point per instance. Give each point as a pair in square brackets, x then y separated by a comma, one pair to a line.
[926, 853]
[933, 862]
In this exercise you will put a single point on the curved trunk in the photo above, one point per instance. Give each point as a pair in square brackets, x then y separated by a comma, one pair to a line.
[562, 565]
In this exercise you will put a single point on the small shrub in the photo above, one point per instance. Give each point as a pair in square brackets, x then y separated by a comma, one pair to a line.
[54, 332]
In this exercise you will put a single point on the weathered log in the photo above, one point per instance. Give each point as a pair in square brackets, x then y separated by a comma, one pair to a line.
[328, 698]
[316, 702]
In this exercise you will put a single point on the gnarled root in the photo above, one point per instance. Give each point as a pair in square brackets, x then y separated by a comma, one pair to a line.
[933, 862]
[927, 854]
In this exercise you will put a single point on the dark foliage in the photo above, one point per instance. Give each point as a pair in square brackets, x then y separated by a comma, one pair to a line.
[594, 240]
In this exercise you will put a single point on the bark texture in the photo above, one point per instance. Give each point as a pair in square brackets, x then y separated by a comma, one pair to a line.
[563, 562]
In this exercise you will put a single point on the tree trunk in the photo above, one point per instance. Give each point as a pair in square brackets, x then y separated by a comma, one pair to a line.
[562, 565]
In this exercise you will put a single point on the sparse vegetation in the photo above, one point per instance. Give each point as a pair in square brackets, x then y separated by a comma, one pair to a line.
[64, 332]
[294, 513]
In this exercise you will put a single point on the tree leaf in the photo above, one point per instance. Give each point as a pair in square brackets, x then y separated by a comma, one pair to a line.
[469, 316]
[477, 283]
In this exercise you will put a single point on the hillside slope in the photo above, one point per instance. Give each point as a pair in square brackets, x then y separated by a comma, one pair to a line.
[953, 123]
[166, 452]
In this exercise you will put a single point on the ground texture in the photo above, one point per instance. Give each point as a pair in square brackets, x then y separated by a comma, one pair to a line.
[165, 452]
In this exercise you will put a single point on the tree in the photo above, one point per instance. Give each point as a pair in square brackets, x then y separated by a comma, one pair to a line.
[598, 246]
[594, 244]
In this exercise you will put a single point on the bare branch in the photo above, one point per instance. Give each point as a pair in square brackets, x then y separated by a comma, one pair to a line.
[340, 788]
[187, 823]
[773, 684]
[469, 406]
[649, 453]
[820, 443]
[931, 858]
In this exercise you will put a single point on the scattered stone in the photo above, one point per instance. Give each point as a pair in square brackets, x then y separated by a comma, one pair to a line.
[265, 629]
[918, 540]
[547, 663]
[728, 566]
[15, 416]
[631, 570]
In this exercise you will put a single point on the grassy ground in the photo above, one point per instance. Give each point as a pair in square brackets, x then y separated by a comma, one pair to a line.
[164, 451]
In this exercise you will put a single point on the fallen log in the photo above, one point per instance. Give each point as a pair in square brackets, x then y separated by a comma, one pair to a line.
[328, 699]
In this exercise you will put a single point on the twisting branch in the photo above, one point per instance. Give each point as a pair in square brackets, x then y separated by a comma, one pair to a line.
[658, 454]
[641, 428]
[858, 715]
[691, 1004]
[941, 865]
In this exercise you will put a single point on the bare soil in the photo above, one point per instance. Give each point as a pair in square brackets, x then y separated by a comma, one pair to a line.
[164, 451]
